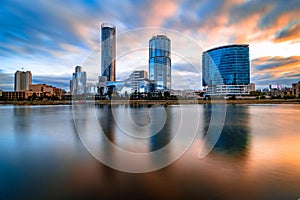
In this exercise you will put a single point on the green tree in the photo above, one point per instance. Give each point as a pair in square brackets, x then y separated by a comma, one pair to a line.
[166, 95]
[34, 96]
[54, 97]
[149, 96]
[159, 96]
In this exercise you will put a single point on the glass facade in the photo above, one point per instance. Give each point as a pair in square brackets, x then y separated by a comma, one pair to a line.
[160, 61]
[78, 83]
[108, 51]
[226, 65]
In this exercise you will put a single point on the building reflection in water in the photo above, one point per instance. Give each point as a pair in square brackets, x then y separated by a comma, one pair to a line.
[22, 117]
[158, 141]
[234, 138]
[106, 121]
[162, 137]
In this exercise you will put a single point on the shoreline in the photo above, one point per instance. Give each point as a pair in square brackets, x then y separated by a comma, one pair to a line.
[153, 102]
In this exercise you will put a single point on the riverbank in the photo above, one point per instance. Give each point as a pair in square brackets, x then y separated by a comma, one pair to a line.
[154, 102]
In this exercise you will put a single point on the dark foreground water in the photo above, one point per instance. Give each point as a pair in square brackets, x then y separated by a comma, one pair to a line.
[43, 157]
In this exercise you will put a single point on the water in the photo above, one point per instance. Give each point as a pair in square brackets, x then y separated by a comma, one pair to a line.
[256, 157]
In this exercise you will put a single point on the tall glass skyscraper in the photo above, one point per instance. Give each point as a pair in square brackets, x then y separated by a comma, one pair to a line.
[108, 51]
[160, 61]
[226, 66]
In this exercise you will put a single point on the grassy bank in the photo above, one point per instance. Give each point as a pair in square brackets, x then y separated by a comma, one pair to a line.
[21, 103]
[156, 102]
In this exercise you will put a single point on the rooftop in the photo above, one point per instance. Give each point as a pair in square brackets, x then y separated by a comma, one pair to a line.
[227, 46]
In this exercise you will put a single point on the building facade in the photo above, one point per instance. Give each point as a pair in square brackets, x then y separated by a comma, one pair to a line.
[296, 89]
[226, 70]
[108, 51]
[160, 61]
[44, 90]
[22, 80]
[137, 79]
[18, 95]
[78, 82]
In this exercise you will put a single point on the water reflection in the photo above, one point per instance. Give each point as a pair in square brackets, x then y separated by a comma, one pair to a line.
[106, 120]
[22, 118]
[257, 155]
[234, 138]
[122, 135]
[163, 137]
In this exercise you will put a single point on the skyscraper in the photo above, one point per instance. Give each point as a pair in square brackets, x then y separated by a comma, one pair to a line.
[78, 82]
[108, 51]
[22, 80]
[160, 61]
[226, 69]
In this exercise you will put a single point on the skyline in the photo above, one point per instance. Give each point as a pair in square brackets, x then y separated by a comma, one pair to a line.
[54, 39]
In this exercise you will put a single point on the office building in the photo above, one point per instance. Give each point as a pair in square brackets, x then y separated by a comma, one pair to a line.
[78, 82]
[22, 80]
[296, 89]
[226, 70]
[160, 61]
[138, 79]
[108, 51]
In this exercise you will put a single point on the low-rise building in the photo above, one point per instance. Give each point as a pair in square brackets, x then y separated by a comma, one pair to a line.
[18, 95]
[44, 90]
[227, 90]
[138, 78]
[296, 89]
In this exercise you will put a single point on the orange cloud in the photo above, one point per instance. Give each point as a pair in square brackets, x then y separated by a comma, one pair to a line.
[288, 34]
[277, 67]
[253, 21]
[158, 11]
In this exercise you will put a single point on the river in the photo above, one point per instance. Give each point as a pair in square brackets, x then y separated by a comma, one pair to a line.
[57, 152]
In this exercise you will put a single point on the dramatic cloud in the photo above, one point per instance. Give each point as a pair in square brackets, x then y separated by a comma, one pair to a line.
[50, 38]
[6, 81]
[289, 33]
[278, 70]
[62, 81]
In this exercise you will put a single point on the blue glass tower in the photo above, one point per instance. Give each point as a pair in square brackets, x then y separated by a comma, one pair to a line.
[226, 65]
[108, 51]
[160, 61]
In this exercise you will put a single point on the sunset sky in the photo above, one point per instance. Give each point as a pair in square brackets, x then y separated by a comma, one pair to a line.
[50, 38]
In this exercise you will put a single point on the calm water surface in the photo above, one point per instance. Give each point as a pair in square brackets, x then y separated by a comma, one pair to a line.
[256, 157]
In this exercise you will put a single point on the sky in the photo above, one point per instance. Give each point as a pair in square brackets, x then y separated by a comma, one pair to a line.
[50, 38]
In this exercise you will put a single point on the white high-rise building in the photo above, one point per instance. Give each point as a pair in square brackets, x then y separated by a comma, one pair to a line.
[22, 80]
[78, 82]
[137, 78]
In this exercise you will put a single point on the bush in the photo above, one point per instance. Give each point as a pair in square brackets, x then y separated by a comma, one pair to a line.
[288, 96]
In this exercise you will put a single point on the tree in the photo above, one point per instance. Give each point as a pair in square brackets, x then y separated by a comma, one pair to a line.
[149, 96]
[126, 95]
[233, 97]
[159, 95]
[54, 97]
[167, 95]
[34, 96]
